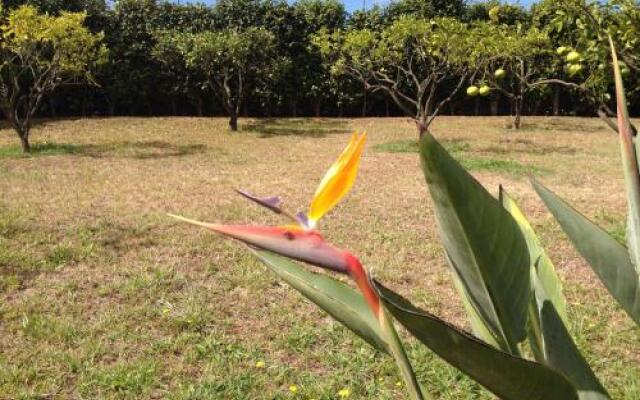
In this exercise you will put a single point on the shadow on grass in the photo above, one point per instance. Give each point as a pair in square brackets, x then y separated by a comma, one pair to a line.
[526, 146]
[306, 127]
[555, 124]
[126, 149]
[461, 150]
[453, 146]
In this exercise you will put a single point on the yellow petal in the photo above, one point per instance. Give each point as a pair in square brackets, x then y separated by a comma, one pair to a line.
[338, 180]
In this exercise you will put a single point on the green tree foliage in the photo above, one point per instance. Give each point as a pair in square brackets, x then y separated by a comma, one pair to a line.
[128, 78]
[228, 60]
[56, 6]
[425, 8]
[512, 60]
[410, 61]
[136, 80]
[39, 52]
[497, 12]
[314, 75]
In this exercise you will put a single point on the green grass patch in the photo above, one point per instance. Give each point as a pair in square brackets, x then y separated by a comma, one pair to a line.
[411, 146]
[125, 379]
[47, 328]
[496, 165]
[398, 146]
[459, 150]
[126, 149]
[103, 297]
[62, 254]
[39, 149]
[614, 224]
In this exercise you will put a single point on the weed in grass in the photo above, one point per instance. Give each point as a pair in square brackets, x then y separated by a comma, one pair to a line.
[48, 328]
[62, 254]
[238, 385]
[614, 224]
[13, 260]
[125, 379]
[10, 222]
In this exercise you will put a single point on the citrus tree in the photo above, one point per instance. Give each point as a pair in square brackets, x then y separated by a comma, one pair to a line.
[512, 60]
[625, 28]
[228, 60]
[179, 80]
[411, 61]
[38, 53]
[580, 31]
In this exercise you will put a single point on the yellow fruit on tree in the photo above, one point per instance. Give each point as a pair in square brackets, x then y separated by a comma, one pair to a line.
[500, 73]
[573, 56]
[472, 91]
[484, 90]
[574, 69]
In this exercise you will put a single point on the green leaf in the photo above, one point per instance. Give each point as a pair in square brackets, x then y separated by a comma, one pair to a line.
[400, 356]
[507, 376]
[542, 270]
[608, 258]
[478, 326]
[483, 243]
[559, 350]
[540, 261]
[348, 307]
[629, 152]
[338, 299]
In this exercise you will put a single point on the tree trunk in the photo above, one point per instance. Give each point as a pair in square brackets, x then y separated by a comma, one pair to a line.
[174, 106]
[364, 103]
[111, 108]
[556, 100]
[421, 125]
[494, 106]
[23, 133]
[233, 121]
[199, 106]
[52, 107]
[83, 106]
[536, 107]
[316, 108]
[268, 110]
[517, 114]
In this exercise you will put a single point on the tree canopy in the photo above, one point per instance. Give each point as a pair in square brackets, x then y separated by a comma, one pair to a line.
[38, 53]
[148, 73]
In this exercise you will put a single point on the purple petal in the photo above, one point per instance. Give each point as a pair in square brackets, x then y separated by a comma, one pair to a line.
[272, 203]
[303, 219]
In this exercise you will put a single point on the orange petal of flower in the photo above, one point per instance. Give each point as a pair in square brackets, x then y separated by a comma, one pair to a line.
[302, 245]
[290, 241]
[338, 180]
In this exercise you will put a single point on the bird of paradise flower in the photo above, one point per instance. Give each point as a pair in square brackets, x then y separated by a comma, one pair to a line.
[301, 241]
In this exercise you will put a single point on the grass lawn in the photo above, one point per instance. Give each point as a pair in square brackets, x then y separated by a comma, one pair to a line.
[103, 296]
